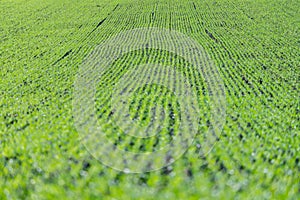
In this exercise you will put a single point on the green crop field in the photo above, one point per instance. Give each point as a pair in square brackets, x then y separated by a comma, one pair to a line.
[246, 94]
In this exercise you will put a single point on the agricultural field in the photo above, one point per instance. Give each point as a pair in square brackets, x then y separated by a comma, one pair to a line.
[245, 92]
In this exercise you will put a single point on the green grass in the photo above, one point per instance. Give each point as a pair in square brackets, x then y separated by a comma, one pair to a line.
[255, 47]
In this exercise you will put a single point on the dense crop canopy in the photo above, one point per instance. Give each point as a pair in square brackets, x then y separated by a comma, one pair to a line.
[254, 46]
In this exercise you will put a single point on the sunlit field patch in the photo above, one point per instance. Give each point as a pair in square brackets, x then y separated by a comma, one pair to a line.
[254, 48]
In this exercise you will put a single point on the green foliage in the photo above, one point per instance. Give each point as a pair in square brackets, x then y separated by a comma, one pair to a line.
[255, 46]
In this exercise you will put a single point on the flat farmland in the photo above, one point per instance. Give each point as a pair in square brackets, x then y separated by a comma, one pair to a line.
[242, 102]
